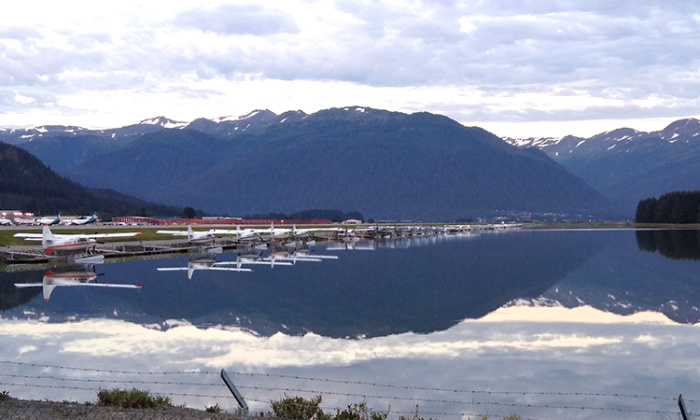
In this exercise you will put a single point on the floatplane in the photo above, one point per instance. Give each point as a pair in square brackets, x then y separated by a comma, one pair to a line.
[210, 235]
[75, 247]
[249, 235]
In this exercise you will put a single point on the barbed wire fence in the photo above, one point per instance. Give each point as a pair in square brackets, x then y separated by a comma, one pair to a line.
[207, 390]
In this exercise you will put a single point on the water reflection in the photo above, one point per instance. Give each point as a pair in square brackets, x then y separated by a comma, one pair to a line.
[431, 311]
[623, 280]
[539, 363]
[676, 244]
[84, 276]
[411, 284]
[10, 295]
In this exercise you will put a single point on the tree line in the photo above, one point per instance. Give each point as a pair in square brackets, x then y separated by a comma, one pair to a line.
[681, 207]
[334, 215]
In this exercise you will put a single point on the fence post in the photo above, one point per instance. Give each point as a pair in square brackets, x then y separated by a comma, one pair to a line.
[237, 395]
[681, 405]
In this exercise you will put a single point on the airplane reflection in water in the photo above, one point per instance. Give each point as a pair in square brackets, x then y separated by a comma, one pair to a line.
[280, 254]
[289, 246]
[71, 276]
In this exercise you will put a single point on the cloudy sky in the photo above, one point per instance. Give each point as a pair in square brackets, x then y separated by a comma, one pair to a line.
[516, 68]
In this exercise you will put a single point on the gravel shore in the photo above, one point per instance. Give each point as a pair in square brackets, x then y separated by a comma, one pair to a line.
[13, 409]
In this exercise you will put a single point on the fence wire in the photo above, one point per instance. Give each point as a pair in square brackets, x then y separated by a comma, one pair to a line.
[207, 386]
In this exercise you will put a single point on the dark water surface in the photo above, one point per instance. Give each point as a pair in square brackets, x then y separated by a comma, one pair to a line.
[542, 323]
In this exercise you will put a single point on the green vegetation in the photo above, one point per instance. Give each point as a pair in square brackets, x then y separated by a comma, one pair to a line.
[335, 216]
[298, 408]
[679, 207]
[213, 409]
[4, 396]
[27, 184]
[135, 398]
[188, 213]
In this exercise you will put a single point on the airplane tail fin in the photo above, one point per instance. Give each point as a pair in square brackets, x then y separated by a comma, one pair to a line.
[46, 234]
[46, 237]
[190, 232]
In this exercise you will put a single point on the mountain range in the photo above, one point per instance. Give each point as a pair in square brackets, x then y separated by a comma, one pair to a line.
[386, 165]
[627, 165]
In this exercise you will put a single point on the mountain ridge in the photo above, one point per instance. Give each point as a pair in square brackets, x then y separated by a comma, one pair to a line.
[627, 165]
[384, 164]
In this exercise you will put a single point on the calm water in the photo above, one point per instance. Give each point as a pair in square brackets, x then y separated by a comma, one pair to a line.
[542, 323]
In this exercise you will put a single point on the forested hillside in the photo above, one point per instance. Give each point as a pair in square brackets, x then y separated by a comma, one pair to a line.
[681, 207]
[382, 164]
[27, 184]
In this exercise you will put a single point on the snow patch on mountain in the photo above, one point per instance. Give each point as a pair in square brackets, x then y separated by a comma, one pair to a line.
[163, 122]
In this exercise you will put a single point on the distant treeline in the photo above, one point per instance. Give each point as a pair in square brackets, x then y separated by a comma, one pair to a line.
[333, 215]
[675, 207]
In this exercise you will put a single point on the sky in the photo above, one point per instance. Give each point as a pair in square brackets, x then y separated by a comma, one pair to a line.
[515, 68]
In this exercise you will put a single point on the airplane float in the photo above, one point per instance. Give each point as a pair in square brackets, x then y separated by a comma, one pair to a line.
[74, 276]
[56, 244]
[253, 258]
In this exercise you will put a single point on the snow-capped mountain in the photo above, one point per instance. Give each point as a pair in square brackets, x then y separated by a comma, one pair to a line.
[627, 165]
[686, 131]
[222, 125]
[351, 157]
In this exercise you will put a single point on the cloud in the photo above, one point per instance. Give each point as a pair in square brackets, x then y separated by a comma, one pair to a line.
[512, 357]
[502, 62]
[232, 19]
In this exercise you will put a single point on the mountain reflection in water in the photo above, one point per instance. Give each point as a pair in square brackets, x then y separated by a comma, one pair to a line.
[456, 327]
[421, 286]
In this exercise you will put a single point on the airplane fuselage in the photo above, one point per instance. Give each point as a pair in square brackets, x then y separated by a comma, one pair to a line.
[52, 246]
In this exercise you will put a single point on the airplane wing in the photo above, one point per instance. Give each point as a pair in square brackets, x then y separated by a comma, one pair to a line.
[172, 232]
[113, 285]
[229, 269]
[29, 236]
[208, 268]
[248, 262]
[107, 235]
[236, 232]
[39, 236]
